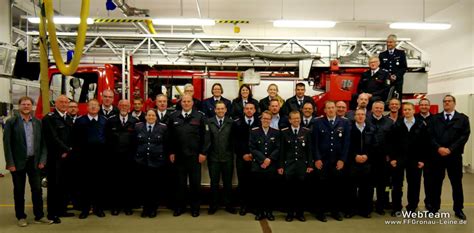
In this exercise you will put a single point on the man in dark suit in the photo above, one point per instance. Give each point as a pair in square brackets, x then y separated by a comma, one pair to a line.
[264, 144]
[331, 144]
[449, 131]
[57, 133]
[89, 143]
[209, 104]
[307, 118]
[362, 103]
[296, 102]
[137, 109]
[220, 158]
[73, 111]
[189, 90]
[162, 108]
[394, 61]
[375, 82]
[379, 158]
[25, 154]
[360, 189]
[119, 134]
[341, 108]
[107, 109]
[408, 141]
[190, 142]
[279, 121]
[244, 158]
[425, 116]
[296, 162]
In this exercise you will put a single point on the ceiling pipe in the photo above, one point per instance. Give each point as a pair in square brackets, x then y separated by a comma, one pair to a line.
[132, 11]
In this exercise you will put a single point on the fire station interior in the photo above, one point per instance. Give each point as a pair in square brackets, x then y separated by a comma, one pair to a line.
[140, 49]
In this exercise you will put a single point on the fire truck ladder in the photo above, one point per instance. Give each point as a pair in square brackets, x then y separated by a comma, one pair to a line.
[213, 51]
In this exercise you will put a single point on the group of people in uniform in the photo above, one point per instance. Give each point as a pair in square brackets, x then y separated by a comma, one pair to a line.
[286, 158]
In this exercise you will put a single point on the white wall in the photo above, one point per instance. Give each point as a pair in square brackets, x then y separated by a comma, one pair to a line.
[5, 31]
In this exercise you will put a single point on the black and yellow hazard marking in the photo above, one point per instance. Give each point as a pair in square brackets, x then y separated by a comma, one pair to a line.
[109, 20]
[224, 21]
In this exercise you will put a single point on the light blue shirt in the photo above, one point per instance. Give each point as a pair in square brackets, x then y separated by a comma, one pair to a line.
[275, 120]
[409, 124]
[28, 126]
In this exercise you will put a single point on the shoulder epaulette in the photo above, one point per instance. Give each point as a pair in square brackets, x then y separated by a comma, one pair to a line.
[79, 116]
[112, 116]
[255, 128]
[139, 123]
[306, 128]
[51, 113]
[201, 112]
[237, 119]
[162, 124]
[284, 129]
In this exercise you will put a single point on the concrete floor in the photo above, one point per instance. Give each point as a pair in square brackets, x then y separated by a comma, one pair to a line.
[224, 222]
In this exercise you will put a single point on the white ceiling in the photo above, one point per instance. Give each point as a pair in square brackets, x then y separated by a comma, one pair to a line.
[257, 10]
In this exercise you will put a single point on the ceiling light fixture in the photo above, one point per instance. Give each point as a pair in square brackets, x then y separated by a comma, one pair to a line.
[184, 22]
[61, 20]
[303, 24]
[420, 26]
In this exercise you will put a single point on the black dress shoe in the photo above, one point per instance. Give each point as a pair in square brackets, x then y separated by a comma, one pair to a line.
[152, 214]
[195, 213]
[270, 216]
[128, 212]
[459, 214]
[230, 210]
[396, 213]
[115, 212]
[349, 215]
[212, 210]
[145, 214]
[84, 215]
[300, 217]
[243, 211]
[259, 216]
[67, 214]
[99, 213]
[321, 217]
[337, 216]
[177, 212]
[289, 217]
[366, 215]
[380, 211]
[55, 219]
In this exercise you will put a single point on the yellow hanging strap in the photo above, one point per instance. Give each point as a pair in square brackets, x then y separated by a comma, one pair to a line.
[81, 37]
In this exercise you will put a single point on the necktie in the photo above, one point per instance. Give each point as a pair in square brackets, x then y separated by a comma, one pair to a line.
[186, 115]
[161, 116]
[448, 117]
[149, 129]
[305, 122]
[106, 112]
[245, 102]
[390, 52]
[373, 72]
[331, 122]
[220, 123]
[300, 102]
[296, 132]
[123, 120]
[249, 122]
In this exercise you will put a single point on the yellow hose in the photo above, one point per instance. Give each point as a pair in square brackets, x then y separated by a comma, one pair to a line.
[44, 79]
[149, 23]
[81, 37]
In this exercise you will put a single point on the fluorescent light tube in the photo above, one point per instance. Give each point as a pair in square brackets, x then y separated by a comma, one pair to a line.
[303, 24]
[61, 20]
[420, 26]
[184, 22]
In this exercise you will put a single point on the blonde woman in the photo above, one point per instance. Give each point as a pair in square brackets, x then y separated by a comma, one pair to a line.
[272, 91]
